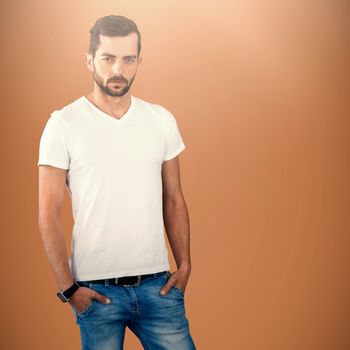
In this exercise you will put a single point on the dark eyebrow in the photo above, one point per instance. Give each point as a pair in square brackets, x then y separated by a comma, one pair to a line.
[107, 54]
[110, 55]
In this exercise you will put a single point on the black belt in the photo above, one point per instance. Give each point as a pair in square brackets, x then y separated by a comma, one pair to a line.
[125, 281]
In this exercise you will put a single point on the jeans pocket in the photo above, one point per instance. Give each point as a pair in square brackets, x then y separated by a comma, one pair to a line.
[85, 311]
[176, 289]
[179, 290]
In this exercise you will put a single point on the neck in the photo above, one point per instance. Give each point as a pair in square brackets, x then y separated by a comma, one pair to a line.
[115, 106]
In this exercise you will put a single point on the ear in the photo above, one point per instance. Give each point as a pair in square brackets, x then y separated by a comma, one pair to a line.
[140, 59]
[88, 61]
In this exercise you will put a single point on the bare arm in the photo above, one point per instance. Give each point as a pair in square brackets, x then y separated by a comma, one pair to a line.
[176, 221]
[52, 182]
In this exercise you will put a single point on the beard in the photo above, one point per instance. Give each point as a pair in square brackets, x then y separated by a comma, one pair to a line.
[121, 90]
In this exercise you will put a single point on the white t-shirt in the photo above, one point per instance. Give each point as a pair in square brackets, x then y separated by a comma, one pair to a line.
[115, 184]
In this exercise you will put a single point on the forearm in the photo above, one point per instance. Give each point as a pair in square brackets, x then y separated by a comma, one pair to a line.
[55, 247]
[177, 226]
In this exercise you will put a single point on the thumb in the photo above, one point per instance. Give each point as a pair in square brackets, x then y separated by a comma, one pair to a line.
[165, 289]
[101, 298]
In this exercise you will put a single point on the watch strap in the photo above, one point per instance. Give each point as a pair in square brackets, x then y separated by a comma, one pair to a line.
[65, 295]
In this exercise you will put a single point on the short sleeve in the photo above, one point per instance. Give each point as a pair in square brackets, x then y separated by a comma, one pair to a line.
[174, 141]
[54, 144]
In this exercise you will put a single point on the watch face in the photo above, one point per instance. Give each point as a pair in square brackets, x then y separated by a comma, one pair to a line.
[62, 297]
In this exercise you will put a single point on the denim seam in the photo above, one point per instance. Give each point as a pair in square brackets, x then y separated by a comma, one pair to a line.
[87, 309]
[179, 290]
[142, 336]
[168, 274]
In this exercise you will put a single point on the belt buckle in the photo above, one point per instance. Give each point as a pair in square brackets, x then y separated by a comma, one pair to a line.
[137, 283]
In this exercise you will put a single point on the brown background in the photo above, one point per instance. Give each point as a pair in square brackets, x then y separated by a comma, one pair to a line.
[260, 92]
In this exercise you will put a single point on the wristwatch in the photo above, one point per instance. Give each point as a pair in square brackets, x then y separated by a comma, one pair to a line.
[65, 295]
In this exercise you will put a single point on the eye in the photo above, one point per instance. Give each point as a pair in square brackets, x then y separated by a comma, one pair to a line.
[108, 59]
[130, 59]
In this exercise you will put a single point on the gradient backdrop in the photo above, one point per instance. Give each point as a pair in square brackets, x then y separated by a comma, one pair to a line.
[260, 90]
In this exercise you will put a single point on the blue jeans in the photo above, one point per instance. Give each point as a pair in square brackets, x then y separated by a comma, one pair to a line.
[158, 321]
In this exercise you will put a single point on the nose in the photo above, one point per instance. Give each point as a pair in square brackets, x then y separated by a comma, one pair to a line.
[118, 68]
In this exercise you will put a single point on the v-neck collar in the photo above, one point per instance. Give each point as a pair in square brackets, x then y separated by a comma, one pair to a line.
[122, 119]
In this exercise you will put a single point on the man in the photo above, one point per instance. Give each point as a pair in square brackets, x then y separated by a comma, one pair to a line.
[118, 156]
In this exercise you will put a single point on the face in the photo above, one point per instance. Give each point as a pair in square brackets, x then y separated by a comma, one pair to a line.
[115, 64]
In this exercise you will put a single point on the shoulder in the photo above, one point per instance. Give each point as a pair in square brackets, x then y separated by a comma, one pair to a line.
[67, 112]
[162, 112]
